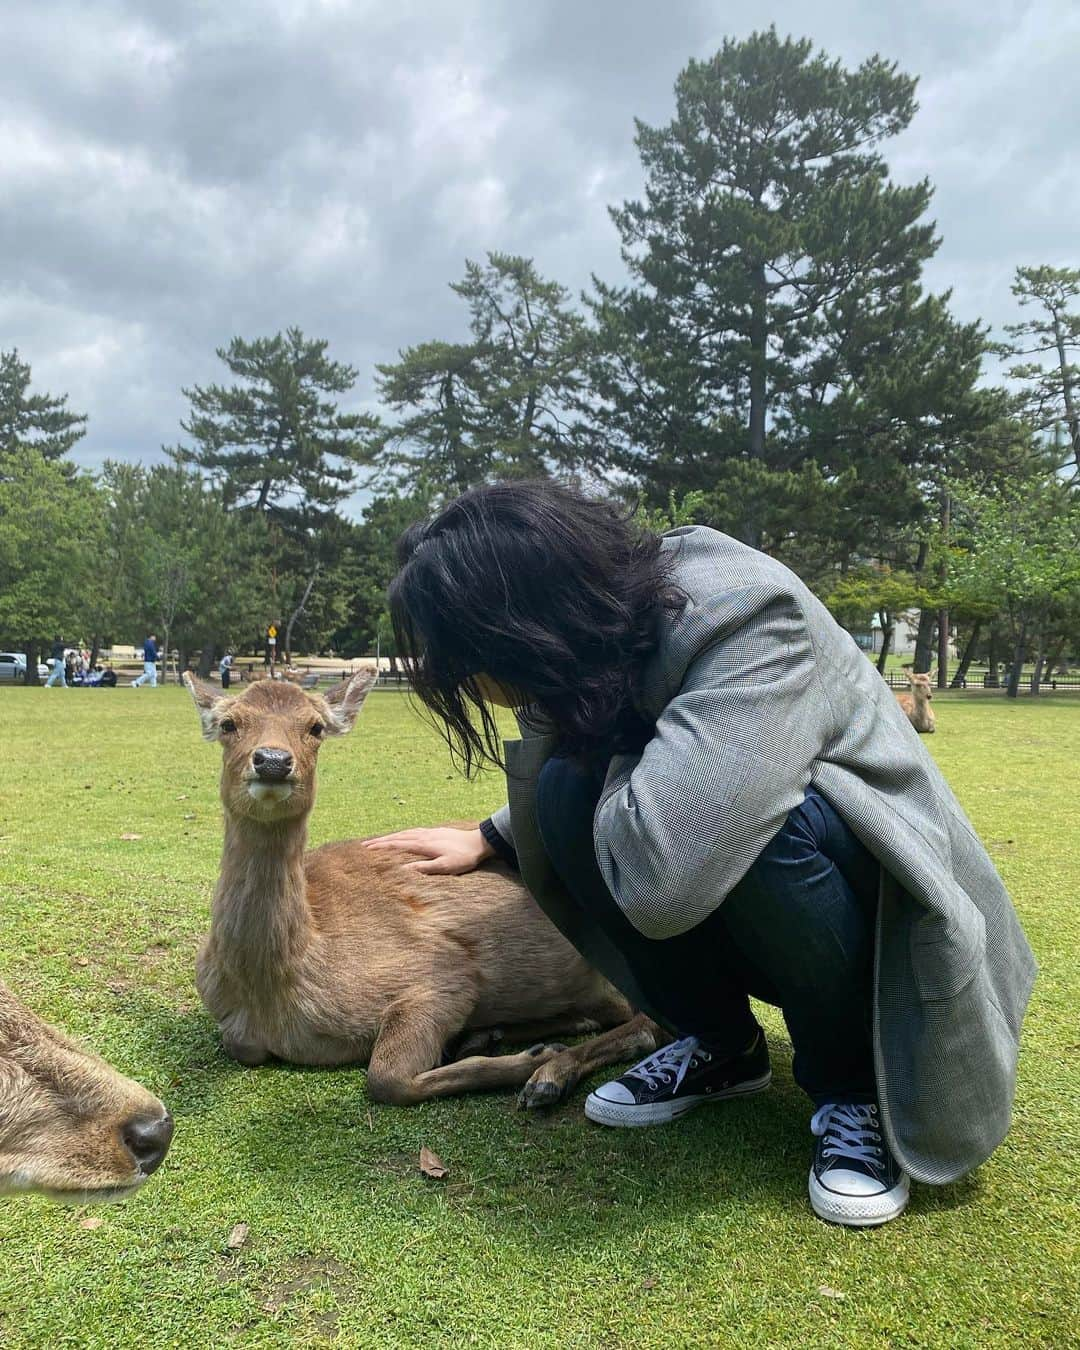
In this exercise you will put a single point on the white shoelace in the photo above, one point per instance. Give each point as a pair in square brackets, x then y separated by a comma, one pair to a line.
[668, 1066]
[853, 1131]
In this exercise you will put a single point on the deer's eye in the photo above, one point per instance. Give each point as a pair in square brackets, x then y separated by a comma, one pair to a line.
[227, 725]
[316, 729]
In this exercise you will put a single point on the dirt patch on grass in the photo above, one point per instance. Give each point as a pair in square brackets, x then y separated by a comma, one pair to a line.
[328, 1280]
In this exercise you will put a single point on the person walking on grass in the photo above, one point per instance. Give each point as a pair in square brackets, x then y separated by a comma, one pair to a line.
[715, 797]
[150, 656]
[225, 669]
[58, 673]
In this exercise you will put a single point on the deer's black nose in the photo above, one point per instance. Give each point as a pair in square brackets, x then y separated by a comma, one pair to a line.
[148, 1140]
[272, 766]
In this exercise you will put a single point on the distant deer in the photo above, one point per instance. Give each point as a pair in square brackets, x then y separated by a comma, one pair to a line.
[343, 955]
[71, 1127]
[916, 703]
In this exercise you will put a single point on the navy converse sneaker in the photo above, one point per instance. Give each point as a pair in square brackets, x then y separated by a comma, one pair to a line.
[676, 1079]
[854, 1179]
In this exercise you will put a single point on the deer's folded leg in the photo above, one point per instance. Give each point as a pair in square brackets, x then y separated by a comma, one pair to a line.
[405, 1068]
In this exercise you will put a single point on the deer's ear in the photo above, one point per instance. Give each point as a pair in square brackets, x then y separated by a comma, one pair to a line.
[346, 699]
[206, 700]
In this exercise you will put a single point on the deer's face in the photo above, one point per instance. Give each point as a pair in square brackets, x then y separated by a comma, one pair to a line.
[921, 686]
[71, 1126]
[270, 738]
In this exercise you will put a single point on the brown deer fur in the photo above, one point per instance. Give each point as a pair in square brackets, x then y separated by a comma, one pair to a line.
[917, 703]
[66, 1116]
[343, 955]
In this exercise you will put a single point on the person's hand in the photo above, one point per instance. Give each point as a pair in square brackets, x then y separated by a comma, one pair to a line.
[447, 852]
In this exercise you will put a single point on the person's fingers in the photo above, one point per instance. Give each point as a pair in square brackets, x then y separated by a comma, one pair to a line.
[396, 834]
[435, 867]
[403, 845]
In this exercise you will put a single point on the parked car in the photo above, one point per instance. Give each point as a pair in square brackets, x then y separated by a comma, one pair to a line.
[13, 668]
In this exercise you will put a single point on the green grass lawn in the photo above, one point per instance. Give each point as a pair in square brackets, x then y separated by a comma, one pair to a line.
[548, 1232]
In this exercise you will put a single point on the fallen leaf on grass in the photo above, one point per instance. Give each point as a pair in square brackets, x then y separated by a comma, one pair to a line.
[238, 1237]
[432, 1165]
[82, 961]
[91, 1223]
[829, 1292]
[650, 1283]
[131, 836]
[190, 815]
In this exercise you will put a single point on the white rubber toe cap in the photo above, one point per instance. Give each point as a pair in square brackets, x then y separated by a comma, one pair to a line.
[850, 1183]
[615, 1093]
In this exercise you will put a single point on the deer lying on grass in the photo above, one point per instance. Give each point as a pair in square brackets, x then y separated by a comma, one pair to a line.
[917, 703]
[71, 1127]
[343, 955]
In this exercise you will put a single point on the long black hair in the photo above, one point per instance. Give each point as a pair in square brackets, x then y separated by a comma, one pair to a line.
[554, 595]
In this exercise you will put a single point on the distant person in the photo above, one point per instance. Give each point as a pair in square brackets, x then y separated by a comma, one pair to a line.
[69, 667]
[56, 675]
[225, 669]
[108, 678]
[150, 656]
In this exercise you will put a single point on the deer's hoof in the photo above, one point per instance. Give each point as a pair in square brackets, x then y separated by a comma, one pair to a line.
[539, 1094]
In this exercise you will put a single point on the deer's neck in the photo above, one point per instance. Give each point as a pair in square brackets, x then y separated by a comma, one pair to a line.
[261, 918]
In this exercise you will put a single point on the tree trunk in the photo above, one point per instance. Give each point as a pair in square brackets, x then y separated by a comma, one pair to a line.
[992, 681]
[1036, 675]
[943, 649]
[1072, 419]
[296, 614]
[95, 649]
[1017, 669]
[758, 380]
[758, 350]
[966, 658]
[943, 613]
[31, 662]
[924, 641]
[206, 660]
[1053, 659]
[886, 640]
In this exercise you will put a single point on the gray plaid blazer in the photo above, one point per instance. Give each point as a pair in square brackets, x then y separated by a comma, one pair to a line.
[758, 693]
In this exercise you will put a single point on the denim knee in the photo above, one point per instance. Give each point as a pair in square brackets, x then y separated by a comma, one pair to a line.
[566, 796]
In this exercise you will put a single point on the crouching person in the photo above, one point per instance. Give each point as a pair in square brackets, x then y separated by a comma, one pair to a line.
[716, 797]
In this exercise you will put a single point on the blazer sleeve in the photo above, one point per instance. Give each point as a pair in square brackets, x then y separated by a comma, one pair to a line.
[680, 824]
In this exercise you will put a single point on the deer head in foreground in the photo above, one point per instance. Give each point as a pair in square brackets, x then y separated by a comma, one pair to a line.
[917, 703]
[71, 1127]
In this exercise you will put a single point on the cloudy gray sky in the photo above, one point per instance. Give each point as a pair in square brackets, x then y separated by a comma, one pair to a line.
[174, 175]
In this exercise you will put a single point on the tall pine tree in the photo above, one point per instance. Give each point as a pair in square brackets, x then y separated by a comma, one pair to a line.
[276, 440]
[769, 254]
[497, 406]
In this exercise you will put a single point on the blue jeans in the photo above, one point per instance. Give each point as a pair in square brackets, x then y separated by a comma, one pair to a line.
[57, 675]
[149, 672]
[796, 932]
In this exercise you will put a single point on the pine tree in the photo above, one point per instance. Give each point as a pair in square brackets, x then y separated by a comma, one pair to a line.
[41, 421]
[277, 440]
[1051, 396]
[769, 250]
[501, 404]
